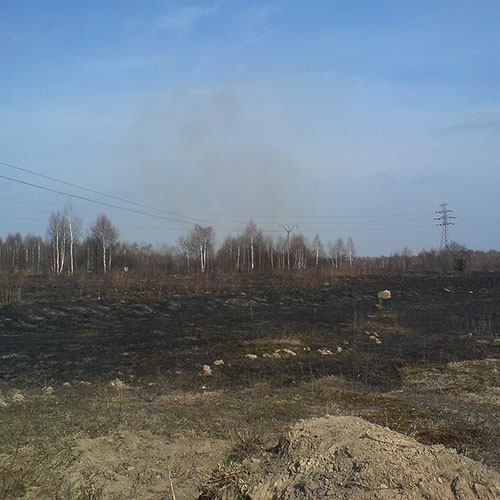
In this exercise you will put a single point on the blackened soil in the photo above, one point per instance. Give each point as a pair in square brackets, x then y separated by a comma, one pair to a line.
[79, 329]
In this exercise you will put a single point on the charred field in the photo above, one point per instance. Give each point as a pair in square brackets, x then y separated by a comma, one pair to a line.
[92, 356]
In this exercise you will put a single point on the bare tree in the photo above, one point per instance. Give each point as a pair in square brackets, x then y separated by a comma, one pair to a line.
[57, 234]
[299, 250]
[106, 235]
[337, 253]
[270, 250]
[202, 239]
[406, 254]
[282, 246]
[33, 253]
[351, 251]
[250, 236]
[318, 250]
[228, 254]
[74, 226]
[184, 245]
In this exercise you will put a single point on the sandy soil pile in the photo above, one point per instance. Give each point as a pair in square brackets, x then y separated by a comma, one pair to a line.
[143, 466]
[342, 458]
[349, 458]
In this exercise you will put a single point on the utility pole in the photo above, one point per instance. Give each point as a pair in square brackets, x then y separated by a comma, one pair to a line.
[288, 230]
[444, 222]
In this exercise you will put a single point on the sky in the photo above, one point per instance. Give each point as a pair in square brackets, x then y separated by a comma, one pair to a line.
[342, 118]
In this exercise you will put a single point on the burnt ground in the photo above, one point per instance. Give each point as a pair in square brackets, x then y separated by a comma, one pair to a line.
[63, 331]
[427, 364]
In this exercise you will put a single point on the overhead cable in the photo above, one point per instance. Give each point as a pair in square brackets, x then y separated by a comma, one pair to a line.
[106, 195]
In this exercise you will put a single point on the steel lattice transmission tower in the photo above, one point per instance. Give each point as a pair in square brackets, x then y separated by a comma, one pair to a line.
[444, 222]
[288, 230]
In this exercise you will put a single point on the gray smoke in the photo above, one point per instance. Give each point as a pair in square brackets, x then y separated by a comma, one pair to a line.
[216, 155]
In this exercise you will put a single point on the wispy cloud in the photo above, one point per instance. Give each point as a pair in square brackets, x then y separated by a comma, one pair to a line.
[258, 20]
[185, 17]
[254, 26]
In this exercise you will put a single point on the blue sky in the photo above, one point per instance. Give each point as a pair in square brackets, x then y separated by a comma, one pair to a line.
[346, 118]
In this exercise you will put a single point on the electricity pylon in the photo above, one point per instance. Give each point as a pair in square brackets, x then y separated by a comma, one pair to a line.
[444, 222]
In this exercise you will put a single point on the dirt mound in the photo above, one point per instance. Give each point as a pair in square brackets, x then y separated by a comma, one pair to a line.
[349, 458]
[135, 465]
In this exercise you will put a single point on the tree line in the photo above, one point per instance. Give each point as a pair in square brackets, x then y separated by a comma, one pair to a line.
[67, 249]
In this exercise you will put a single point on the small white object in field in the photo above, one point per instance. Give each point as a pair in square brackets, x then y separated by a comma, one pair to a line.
[48, 390]
[206, 370]
[339, 349]
[286, 351]
[307, 349]
[18, 397]
[219, 362]
[251, 356]
[267, 355]
[384, 294]
[326, 352]
[67, 384]
[118, 384]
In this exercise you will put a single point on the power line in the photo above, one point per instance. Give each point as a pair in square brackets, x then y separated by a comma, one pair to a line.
[235, 215]
[100, 193]
[353, 229]
[183, 219]
[288, 229]
[84, 198]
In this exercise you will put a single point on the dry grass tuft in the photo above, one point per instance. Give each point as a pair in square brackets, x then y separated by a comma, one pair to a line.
[248, 443]
[227, 482]
[10, 288]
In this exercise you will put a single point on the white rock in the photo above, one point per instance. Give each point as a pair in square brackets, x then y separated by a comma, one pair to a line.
[326, 352]
[118, 384]
[18, 397]
[251, 356]
[218, 362]
[384, 294]
[287, 351]
[206, 370]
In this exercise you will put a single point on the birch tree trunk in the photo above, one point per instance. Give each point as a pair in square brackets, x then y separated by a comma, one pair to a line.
[103, 255]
